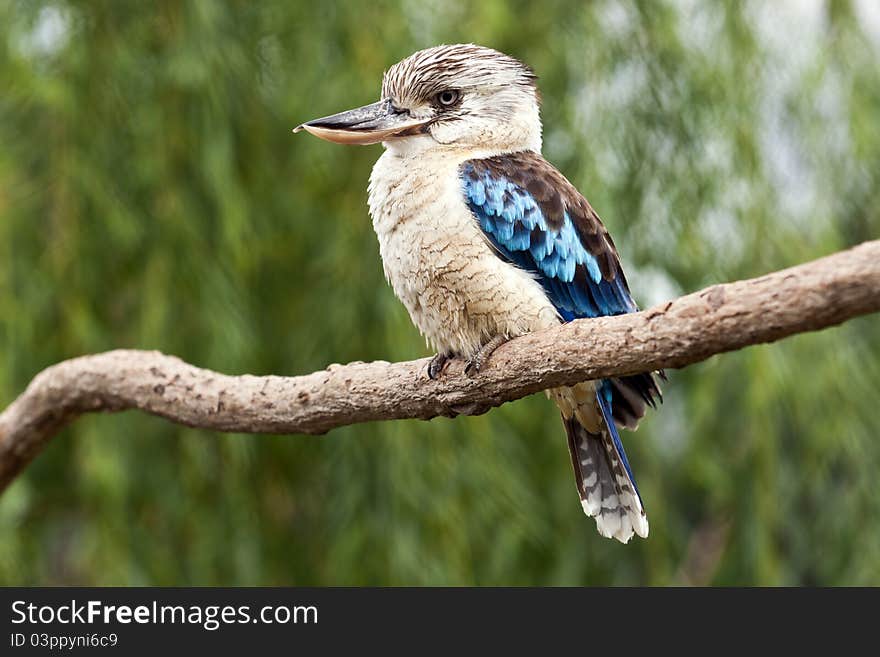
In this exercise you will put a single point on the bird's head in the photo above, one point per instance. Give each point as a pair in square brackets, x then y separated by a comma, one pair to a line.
[463, 97]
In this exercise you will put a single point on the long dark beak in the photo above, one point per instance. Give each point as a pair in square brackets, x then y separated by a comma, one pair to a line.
[369, 124]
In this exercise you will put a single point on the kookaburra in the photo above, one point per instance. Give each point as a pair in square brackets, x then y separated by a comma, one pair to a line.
[483, 240]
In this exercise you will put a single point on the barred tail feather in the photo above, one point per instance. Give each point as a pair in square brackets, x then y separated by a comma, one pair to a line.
[605, 483]
[631, 396]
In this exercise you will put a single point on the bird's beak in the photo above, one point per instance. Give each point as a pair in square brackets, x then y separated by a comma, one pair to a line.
[369, 124]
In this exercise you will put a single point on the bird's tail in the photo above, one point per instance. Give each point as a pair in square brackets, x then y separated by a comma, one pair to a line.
[604, 479]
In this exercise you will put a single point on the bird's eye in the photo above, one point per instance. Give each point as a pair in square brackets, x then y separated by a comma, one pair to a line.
[448, 97]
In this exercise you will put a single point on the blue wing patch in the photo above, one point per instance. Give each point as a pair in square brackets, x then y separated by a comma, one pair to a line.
[542, 225]
[537, 220]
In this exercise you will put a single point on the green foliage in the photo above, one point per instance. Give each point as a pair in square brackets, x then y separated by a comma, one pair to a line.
[152, 196]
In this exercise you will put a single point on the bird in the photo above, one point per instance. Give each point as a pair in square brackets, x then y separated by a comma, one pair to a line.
[483, 240]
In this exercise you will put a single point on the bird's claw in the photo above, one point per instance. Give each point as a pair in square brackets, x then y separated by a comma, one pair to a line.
[438, 362]
[479, 359]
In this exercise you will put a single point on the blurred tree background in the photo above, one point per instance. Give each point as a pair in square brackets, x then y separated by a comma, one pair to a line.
[152, 196]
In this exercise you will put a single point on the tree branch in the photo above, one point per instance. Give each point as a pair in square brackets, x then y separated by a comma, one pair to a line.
[689, 329]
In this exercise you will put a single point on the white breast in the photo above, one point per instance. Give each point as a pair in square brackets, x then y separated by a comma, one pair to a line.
[457, 291]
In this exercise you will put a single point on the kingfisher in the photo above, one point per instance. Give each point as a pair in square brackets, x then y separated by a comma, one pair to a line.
[483, 240]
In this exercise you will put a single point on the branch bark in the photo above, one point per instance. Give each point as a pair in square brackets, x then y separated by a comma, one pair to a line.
[689, 329]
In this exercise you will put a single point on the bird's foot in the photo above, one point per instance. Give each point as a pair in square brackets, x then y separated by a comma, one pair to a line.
[476, 363]
[438, 362]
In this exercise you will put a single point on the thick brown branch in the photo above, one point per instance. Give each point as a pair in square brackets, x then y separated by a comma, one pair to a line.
[721, 318]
